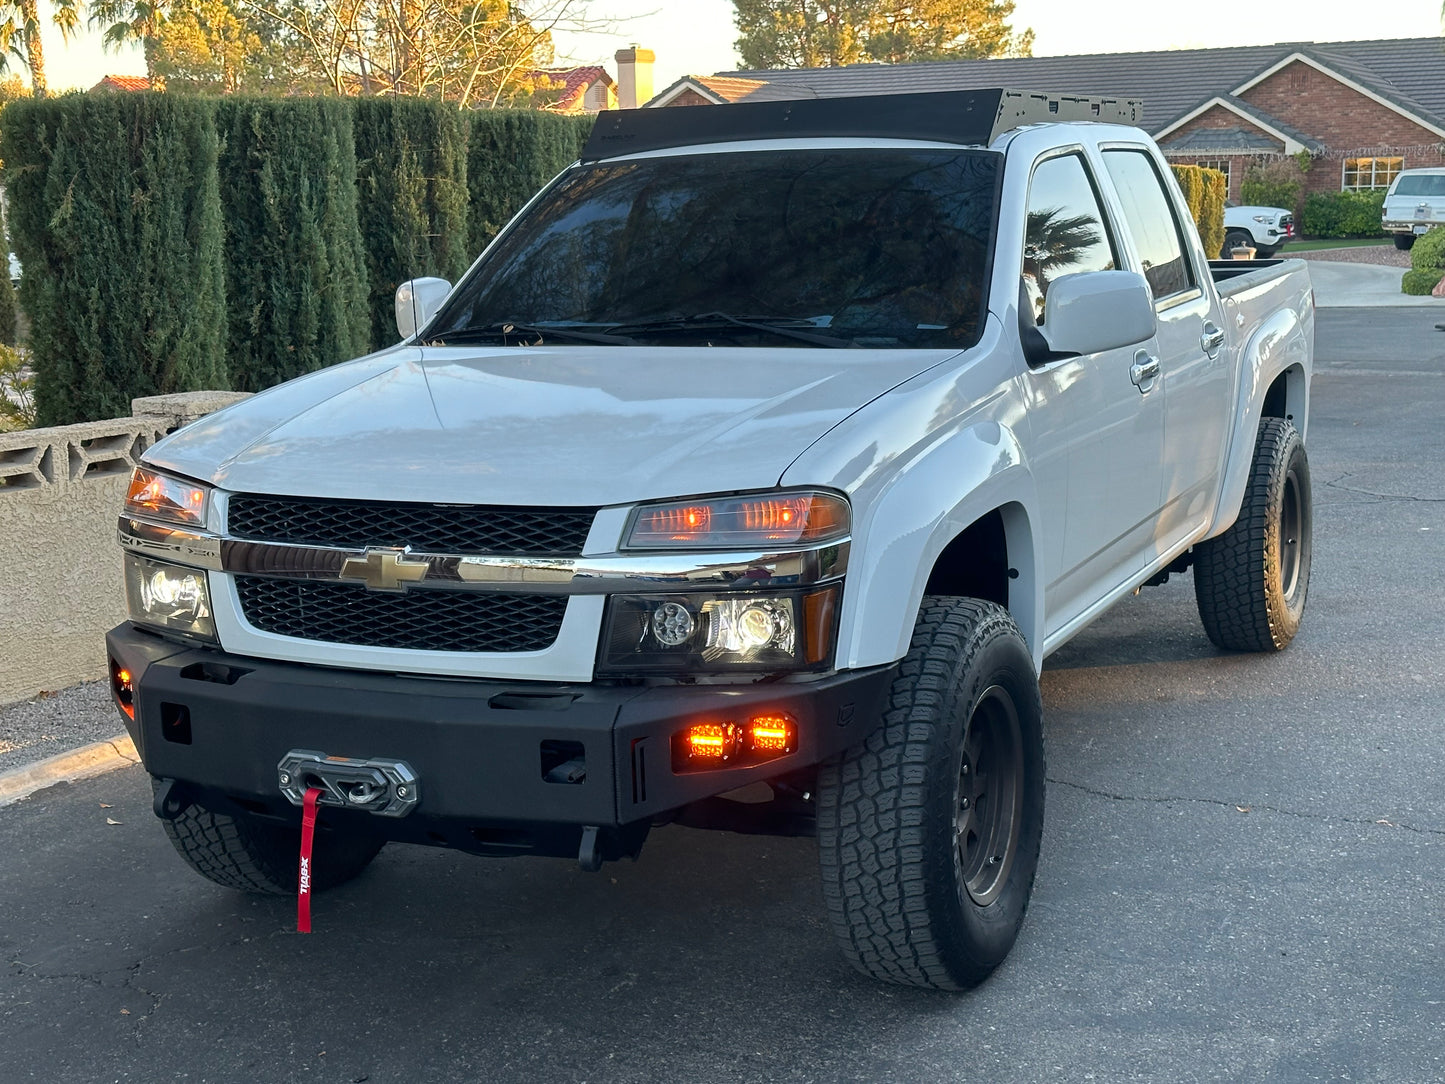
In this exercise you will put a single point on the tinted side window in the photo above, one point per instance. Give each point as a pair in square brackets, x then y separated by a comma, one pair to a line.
[1065, 233]
[1151, 219]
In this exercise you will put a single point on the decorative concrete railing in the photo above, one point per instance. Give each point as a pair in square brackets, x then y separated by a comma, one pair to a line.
[60, 494]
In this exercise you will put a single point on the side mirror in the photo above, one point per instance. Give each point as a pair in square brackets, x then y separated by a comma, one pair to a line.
[1097, 310]
[417, 301]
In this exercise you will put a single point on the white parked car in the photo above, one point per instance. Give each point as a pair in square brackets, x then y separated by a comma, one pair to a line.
[760, 450]
[1265, 229]
[1414, 203]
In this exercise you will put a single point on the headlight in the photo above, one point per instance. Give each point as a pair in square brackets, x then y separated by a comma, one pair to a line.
[758, 521]
[169, 597]
[772, 632]
[171, 500]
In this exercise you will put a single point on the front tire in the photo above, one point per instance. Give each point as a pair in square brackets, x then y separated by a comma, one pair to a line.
[253, 854]
[1251, 582]
[929, 832]
[1233, 238]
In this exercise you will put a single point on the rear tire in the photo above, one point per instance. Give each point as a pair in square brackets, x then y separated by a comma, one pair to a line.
[929, 832]
[253, 854]
[1404, 241]
[1251, 582]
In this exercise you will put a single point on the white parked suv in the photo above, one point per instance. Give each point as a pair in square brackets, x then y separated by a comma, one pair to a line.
[1264, 229]
[744, 482]
[1414, 203]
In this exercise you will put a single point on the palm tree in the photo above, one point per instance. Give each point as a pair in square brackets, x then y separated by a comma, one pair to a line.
[20, 35]
[126, 21]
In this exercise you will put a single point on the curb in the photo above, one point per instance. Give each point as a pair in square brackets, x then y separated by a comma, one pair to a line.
[83, 763]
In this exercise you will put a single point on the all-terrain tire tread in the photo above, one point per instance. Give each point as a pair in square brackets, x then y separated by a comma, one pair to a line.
[871, 809]
[1232, 571]
[258, 857]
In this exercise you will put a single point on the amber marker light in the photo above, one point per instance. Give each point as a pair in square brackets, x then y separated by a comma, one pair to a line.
[124, 690]
[164, 498]
[734, 522]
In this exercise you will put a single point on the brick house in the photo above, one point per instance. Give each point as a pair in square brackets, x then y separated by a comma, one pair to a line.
[1354, 112]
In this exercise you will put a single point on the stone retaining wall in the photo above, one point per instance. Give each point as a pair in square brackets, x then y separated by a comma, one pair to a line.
[61, 491]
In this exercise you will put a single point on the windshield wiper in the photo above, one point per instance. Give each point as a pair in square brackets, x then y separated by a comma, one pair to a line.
[789, 327]
[537, 333]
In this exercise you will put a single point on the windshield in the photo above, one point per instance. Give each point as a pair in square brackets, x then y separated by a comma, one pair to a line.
[1421, 184]
[876, 248]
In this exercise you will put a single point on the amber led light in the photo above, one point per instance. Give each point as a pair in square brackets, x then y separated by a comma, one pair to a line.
[712, 746]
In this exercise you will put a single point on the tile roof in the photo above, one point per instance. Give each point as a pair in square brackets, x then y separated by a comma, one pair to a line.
[1222, 141]
[575, 81]
[123, 82]
[1409, 72]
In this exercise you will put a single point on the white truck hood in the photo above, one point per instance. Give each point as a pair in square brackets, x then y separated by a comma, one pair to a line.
[581, 426]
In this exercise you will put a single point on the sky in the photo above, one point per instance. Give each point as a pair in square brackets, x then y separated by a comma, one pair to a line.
[695, 37]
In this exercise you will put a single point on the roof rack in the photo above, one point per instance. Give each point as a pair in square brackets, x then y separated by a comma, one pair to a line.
[967, 117]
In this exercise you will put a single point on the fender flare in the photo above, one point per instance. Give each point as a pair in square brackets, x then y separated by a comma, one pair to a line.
[925, 506]
[1280, 344]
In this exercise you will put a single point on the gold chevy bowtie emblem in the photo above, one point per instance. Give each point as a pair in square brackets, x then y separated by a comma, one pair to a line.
[383, 570]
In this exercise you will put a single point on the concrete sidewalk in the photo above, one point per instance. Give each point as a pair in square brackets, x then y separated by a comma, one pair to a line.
[1355, 285]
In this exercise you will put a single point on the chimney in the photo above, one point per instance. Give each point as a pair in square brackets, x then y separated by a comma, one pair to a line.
[634, 76]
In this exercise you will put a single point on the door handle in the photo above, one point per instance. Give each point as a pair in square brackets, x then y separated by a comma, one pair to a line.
[1212, 339]
[1144, 371]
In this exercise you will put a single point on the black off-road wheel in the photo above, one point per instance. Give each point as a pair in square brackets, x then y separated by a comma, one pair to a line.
[929, 832]
[253, 854]
[1251, 582]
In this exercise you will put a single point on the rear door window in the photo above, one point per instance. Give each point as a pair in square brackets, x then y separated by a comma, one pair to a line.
[1158, 234]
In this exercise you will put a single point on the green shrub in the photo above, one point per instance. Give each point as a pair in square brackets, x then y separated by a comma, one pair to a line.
[411, 176]
[9, 314]
[17, 391]
[1272, 184]
[1428, 252]
[1421, 283]
[511, 154]
[296, 289]
[1343, 214]
[116, 218]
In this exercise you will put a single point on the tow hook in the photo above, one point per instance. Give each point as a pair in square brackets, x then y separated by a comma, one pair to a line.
[385, 787]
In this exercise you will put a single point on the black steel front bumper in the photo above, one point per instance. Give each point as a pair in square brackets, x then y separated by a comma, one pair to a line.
[219, 724]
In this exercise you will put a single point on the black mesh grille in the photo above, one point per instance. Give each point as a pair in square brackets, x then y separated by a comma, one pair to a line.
[427, 528]
[343, 613]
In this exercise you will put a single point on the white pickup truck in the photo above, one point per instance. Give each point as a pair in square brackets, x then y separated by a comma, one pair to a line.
[744, 482]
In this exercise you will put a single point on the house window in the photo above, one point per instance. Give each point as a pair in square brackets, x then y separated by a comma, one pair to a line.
[1366, 173]
[1221, 164]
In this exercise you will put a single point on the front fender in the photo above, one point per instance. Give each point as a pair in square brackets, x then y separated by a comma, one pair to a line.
[904, 527]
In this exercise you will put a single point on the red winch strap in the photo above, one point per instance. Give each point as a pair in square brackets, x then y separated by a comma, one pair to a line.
[306, 873]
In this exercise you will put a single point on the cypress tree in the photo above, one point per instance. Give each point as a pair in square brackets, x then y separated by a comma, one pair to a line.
[295, 266]
[116, 218]
[513, 153]
[411, 175]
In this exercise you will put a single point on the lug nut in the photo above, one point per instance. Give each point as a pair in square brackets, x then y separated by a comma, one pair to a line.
[402, 792]
[285, 779]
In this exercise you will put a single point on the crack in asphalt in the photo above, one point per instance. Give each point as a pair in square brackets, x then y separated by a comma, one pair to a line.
[1243, 807]
[1335, 484]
